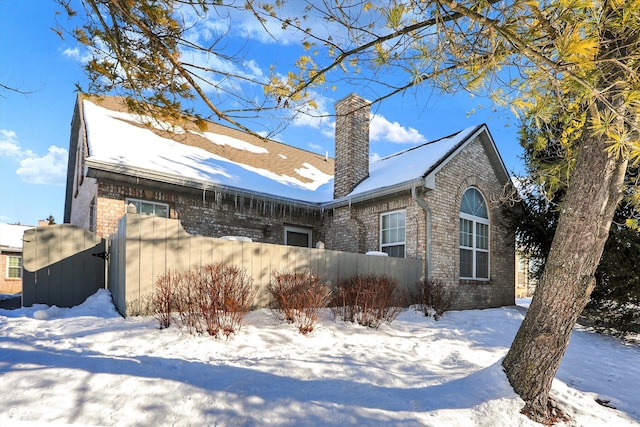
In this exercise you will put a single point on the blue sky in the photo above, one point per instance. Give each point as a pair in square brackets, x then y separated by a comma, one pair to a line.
[34, 127]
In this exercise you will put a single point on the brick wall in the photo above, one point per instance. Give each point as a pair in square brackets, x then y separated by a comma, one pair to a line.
[352, 144]
[471, 167]
[215, 215]
[356, 228]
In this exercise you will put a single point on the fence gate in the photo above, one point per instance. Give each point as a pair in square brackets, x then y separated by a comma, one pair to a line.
[62, 265]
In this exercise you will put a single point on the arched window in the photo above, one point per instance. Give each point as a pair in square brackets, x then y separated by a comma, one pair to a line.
[474, 236]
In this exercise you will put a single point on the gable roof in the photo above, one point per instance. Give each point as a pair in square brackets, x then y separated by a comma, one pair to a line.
[222, 158]
[417, 166]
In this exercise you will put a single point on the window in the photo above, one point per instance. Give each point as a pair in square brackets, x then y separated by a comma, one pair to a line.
[392, 233]
[474, 236]
[14, 267]
[297, 236]
[150, 208]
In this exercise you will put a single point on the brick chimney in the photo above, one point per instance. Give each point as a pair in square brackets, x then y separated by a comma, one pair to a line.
[351, 163]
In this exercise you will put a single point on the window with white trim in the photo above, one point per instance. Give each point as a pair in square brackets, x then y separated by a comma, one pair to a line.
[150, 208]
[393, 233]
[297, 236]
[14, 267]
[474, 236]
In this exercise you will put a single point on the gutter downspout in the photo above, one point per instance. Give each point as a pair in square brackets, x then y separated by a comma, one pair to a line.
[427, 212]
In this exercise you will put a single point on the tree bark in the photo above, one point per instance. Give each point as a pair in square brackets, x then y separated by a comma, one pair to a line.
[594, 191]
[595, 188]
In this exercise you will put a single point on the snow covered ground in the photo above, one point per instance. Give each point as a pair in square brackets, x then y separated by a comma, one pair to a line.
[89, 366]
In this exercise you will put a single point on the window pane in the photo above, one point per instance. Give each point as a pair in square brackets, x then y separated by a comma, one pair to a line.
[396, 251]
[466, 236]
[150, 208]
[472, 203]
[465, 204]
[14, 270]
[474, 235]
[393, 229]
[298, 239]
[482, 237]
[146, 208]
[162, 211]
[466, 263]
[482, 265]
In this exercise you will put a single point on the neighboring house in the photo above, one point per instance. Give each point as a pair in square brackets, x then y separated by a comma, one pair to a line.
[431, 202]
[522, 275]
[525, 282]
[11, 257]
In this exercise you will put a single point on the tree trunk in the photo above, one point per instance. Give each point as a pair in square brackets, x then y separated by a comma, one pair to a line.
[594, 191]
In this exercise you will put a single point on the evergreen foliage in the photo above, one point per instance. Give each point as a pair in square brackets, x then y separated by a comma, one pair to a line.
[615, 301]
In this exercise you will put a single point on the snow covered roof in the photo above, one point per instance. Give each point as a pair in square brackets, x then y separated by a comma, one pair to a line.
[11, 236]
[411, 164]
[222, 157]
[219, 155]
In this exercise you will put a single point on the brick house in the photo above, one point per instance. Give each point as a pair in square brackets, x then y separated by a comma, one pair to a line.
[11, 257]
[430, 202]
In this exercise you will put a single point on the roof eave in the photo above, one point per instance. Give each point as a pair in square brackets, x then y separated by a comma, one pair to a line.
[351, 199]
[494, 157]
[103, 169]
[10, 249]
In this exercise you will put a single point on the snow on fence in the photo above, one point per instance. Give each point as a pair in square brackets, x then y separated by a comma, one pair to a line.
[145, 248]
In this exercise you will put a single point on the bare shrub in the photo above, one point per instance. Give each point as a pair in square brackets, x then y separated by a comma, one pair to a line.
[298, 297]
[368, 300]
[224, 295]
[432, 297]
[163, 297]
[213, 298]
[187, 301]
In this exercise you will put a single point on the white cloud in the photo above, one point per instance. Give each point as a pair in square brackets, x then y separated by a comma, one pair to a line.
[382, 129]
[315, 147]
[374, 157]
[9, 146]
[48, 169]
[77, 55]
[320, 118]
[71, 53]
